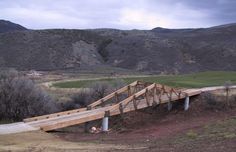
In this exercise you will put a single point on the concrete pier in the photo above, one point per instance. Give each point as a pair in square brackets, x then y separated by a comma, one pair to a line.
[169, 106]
[186, 103]
[105, 124]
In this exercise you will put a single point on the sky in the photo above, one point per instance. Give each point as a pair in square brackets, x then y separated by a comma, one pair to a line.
[119, 14]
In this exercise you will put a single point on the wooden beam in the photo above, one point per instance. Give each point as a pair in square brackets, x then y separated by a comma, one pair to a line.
[124, 89]
[127, 100]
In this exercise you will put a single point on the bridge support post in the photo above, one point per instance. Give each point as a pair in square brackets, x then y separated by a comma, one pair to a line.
[86, 127]
[169, 106]
[105, 121]
[186, 103]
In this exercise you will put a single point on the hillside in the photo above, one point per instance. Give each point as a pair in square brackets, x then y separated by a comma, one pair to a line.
[173, 51]
[6, 26]
[158, 50]
[50, 49]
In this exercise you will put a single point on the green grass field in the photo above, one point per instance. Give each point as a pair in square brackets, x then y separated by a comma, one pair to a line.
[197, 80]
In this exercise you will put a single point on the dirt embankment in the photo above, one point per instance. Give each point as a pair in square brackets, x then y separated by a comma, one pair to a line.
[206, 125]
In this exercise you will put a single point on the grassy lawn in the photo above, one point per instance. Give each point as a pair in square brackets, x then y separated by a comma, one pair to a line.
[202, 79]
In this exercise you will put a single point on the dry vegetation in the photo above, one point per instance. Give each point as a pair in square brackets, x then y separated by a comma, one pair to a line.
[21, 98]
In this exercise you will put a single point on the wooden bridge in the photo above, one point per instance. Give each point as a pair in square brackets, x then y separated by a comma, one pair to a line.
[137, 95]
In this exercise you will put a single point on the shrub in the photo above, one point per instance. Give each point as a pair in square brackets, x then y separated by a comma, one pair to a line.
[210, 99]
[102, 49]
[97, 90]
[79, 100]
[214, 102]
[100, 89]
[82, 99]
[21, 98]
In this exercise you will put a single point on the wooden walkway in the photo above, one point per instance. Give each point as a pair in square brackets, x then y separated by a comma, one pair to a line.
[137, 95]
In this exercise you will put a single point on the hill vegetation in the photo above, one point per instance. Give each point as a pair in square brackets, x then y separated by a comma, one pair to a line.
[197, 80]
[159, 51]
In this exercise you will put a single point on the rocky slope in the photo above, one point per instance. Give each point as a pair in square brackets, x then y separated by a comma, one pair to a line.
[158, 50]
[173, 51]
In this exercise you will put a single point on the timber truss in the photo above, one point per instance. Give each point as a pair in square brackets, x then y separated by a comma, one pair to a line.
[137, 95]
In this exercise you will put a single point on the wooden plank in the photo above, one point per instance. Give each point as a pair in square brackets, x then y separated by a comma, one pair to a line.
[64, 124]
[66, 117]
[54, 115]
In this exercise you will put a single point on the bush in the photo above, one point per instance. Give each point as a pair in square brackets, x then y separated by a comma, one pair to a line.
[102, 49]
[214, 102]
[100, 89]
[82, 99]
[79, 100]
[21, 98]
[96, 91]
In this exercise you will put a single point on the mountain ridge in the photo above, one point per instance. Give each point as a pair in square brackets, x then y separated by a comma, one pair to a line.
[158, 50]
[7, 26]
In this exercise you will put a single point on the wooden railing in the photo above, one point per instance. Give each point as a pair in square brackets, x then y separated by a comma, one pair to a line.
[157, 92]
[129, 90]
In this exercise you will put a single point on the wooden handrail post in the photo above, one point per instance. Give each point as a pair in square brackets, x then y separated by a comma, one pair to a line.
[102, 103]
[135, 103]
[121, 108]
[116, 96]
[89, 107]
[129, 91]
[146, 96]
[155, 94]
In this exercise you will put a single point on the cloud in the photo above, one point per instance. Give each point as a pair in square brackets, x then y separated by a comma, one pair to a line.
[122, 14]
[139, 18]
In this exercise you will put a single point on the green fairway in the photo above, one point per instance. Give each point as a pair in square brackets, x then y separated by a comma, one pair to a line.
[197, 80]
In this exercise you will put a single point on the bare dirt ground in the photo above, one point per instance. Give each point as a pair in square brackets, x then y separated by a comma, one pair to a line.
[199, 129]
[41, 141]
[206, 126]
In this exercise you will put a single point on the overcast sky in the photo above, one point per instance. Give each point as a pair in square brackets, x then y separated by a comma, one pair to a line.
[121, 14]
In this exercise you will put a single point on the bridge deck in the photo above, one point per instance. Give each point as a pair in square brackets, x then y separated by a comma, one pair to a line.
[99, 112]
[137, 95]
[144, 98]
